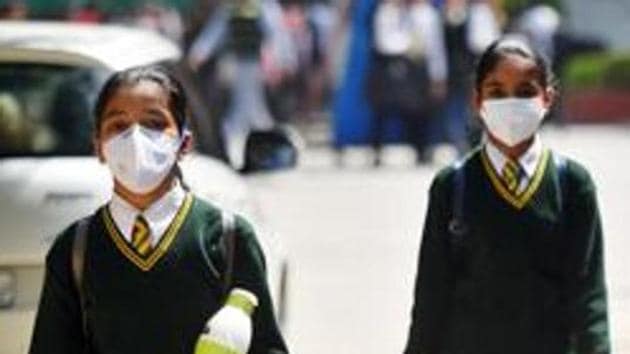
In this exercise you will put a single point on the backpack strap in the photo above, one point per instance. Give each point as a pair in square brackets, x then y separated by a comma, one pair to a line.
[79, 245]
[227, 246]
[561, 164]
[228, 240]
[457, 225]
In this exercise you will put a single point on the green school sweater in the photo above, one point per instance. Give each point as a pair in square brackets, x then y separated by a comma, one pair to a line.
[158, 304]
[522, 275]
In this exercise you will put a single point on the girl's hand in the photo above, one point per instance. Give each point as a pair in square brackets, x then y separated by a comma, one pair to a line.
[230, 329]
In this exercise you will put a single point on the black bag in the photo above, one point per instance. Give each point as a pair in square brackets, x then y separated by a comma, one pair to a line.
[398, 82]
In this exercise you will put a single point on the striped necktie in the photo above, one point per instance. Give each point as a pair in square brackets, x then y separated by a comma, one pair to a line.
[511, 175]
[141, 236]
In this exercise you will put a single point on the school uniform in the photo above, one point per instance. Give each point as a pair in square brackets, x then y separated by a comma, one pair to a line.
[155, 299]
[409, 54]
[511, 265]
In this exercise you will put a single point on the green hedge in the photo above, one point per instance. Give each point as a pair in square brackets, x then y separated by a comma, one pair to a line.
[606, 70]
[514, 6]
[51, 8]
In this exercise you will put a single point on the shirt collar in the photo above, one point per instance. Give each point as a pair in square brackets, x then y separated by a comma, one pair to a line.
[158, 215]
[528, 162]
[167, 205]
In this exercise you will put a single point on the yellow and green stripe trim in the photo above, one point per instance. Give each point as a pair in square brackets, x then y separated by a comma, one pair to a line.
[518, 200]
[145, 263]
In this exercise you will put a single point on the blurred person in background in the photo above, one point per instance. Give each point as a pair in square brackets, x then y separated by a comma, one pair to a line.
[338, 40]
[310, 24]
[287, 96]
[13, 10]
[540, 23]
[323, 17]
[87, 13]
[469, 27]
[161, 19]
[512, 252]
[150, 15]
[246, 38]
[409, 71]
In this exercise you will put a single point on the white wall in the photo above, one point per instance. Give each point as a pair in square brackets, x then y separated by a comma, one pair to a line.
[607, 19]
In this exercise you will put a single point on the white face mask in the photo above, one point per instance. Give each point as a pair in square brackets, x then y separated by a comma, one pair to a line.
[513, 120]
[141, 158]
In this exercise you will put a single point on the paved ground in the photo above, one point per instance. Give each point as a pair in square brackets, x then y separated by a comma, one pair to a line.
[353, 235]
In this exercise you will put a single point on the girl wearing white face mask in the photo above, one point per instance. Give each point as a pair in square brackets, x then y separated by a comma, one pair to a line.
[512, 253]
[154, 257]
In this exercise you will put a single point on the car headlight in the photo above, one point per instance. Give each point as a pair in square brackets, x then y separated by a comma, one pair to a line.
[8, 288]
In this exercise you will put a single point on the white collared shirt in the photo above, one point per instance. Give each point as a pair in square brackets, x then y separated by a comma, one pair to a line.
[528, 162]
[158, 215]
[399, 29]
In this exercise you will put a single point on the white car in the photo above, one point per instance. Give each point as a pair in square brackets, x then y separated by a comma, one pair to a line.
[50, 75]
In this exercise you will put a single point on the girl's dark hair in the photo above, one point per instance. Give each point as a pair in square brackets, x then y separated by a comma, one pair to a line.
[512, 45]
[154, 73]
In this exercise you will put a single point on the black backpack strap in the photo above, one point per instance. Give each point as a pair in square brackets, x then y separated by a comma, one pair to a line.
[227, 246]
[79, 245]
[457, 225]
[228, 240]
[561, 164]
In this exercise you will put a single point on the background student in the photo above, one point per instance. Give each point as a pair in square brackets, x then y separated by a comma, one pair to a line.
[512, 252]
[409, 73]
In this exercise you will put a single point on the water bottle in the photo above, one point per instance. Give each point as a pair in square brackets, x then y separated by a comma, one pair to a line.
[229, 331]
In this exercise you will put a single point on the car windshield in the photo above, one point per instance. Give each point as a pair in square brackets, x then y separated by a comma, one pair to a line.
[46, 109]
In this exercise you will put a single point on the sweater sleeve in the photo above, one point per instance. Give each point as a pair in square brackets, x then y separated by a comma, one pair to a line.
[433, 289]
[586, 287]
[58, 324]
[250, 274]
